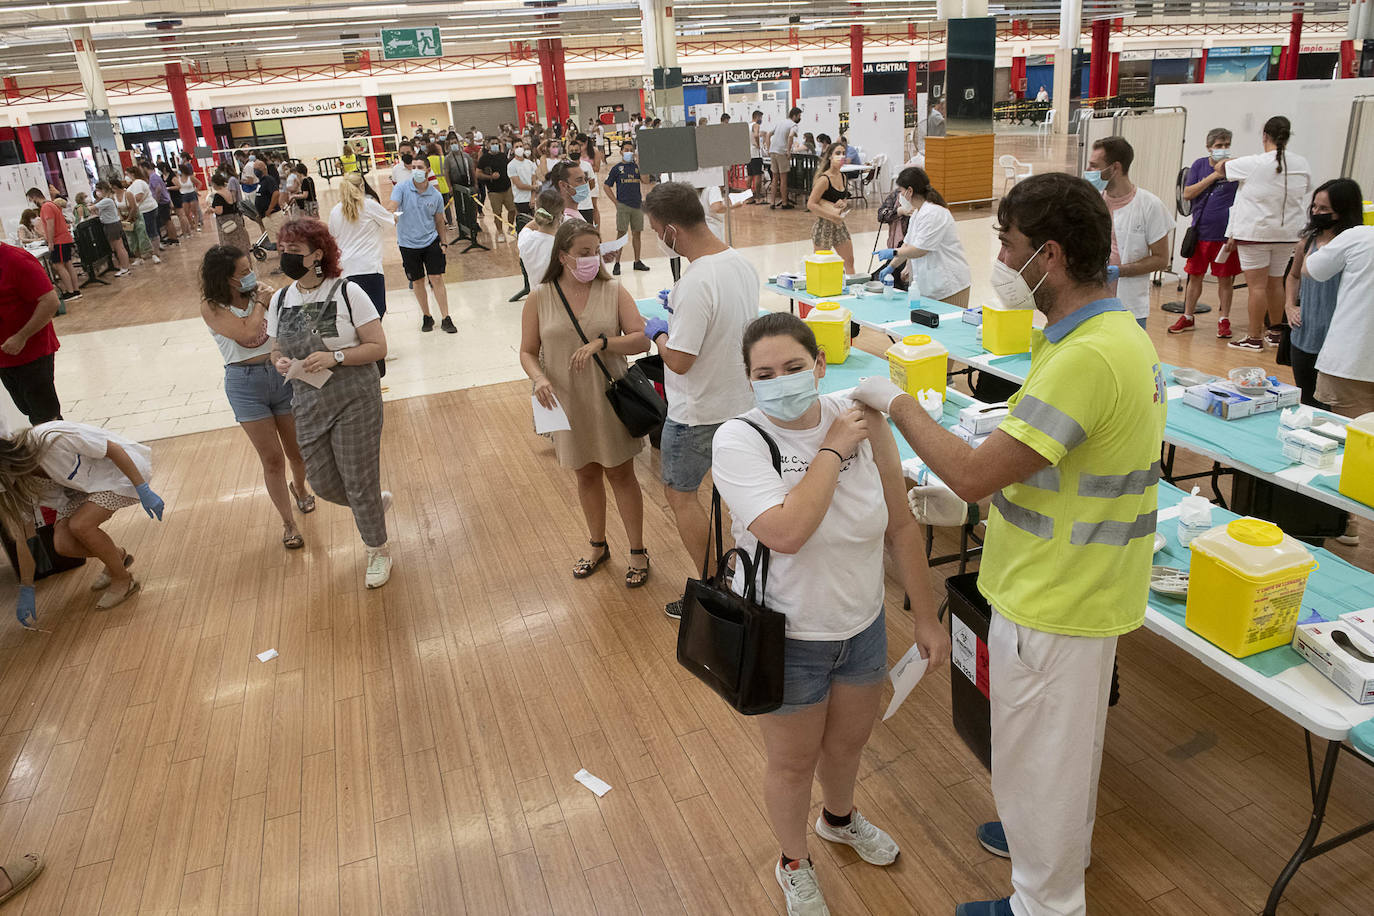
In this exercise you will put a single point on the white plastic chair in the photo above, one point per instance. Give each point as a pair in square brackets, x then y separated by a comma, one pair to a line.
[1046, 127]
[874, 174]
[1012, 171]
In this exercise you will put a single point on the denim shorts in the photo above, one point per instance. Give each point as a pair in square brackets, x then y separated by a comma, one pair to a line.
[685, 454]
[256, 392]
[809, 666]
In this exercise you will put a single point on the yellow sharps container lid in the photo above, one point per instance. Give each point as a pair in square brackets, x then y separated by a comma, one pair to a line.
[827, 306]
[916, 340]
[1255, 532]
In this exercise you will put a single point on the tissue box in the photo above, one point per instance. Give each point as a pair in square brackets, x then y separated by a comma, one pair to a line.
[1308, 447]
[792, 281]
[1221, 400]
[981, 419]
[1335, 650]
[1286, 395]
[973, 316]
[972, 438]
[1361, 622]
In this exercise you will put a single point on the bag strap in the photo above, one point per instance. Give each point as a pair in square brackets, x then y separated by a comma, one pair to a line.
[759, 562]
[573, 318]
[342, 283]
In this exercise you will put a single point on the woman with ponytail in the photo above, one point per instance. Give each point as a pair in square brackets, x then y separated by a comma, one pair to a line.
[535, 241]
[938, 268]
[357, 223]
[1266, 221]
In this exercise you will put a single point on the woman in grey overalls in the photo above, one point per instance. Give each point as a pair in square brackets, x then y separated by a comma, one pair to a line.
[327, 338]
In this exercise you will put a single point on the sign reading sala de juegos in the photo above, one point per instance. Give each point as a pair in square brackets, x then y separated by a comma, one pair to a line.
[294, 109]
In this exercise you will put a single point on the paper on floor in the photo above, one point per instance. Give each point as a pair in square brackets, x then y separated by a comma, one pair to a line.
[313, 379]
[741, 196]
[613, 247]
[905, 675]
[267, 656]
[548, 419]
[599, 786]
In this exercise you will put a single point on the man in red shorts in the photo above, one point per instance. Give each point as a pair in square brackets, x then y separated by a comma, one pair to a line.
[1212, 197]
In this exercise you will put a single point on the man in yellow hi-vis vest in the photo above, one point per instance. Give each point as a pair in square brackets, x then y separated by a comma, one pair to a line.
[1072, 473]
[348, 160]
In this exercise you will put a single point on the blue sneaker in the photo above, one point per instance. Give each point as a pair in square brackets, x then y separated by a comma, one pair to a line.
[994, 839]
[985, 908]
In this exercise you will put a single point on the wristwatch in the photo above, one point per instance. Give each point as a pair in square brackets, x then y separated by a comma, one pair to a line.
[338, 357]
[604, 342]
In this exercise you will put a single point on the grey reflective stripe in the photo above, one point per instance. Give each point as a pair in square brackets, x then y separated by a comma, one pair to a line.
[1051, 421]
[1112, 533]
[1044, 479]
[1110, 486]
[1028, 520]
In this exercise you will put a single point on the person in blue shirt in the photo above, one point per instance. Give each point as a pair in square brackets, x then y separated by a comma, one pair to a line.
[627, 183]
[422, 236]
[1212, 197]
[851, 153]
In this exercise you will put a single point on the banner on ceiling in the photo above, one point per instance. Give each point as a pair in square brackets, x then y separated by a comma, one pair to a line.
[293, 109]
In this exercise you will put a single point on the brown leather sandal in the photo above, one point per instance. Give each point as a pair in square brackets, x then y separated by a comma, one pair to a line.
[584, 567]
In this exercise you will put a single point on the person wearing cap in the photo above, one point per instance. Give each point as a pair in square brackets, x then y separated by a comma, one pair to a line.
[1072, 472]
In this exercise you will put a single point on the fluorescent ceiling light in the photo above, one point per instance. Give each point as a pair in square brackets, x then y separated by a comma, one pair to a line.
[29, 7]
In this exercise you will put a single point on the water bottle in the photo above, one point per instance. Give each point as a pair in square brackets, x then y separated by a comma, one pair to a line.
[913, 294]
[889, 287]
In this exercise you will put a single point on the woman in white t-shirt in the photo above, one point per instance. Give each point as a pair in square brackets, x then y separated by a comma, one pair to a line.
[535, 241]
[930, 254]
[825, 517]
[1269, 214]
[359, 223]
[327, 338]
[86, 474]
[142, 194]
[190, 197]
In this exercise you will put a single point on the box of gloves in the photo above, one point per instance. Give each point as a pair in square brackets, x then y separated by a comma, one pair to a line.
[1223, 400]
[980, 419]
[1340, 652]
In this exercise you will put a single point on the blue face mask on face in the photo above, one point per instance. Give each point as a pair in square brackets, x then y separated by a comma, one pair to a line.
[628, 156]
[583, 193]
[1094, 178]
[786, 397]
[248, 282]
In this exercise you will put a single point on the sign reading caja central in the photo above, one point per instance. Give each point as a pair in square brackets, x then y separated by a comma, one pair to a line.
[398, 44]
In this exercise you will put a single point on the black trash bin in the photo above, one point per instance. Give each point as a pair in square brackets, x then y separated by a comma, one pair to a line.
[969, 617]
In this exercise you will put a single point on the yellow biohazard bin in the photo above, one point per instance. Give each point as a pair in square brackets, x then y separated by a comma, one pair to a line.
[1246, 585]
[1006, 331]
[829, 321]
[824, 273]
[1357, 467]
[916, 363]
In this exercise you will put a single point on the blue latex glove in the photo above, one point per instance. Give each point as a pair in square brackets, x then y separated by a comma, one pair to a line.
[886, 254]
[26, 611]
[663, 298]
[151, 502]
[1113, 273]
[886, 271]
[654, 327]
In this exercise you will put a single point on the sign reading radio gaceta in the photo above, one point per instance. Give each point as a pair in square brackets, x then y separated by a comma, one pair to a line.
[294, 109]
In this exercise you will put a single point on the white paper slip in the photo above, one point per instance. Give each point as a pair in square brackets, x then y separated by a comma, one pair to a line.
[905, 675]
[267, 656]
[613, 247]
[597, 785]
[548, 419]
[741, 196]
[1171, 512]
[313, 379]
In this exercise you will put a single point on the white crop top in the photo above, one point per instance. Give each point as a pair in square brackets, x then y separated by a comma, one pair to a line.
[232, 350]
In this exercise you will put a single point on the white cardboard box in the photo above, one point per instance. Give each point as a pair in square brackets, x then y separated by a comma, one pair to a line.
[1362, 622]
[981, 419]
[969, 436]
[1339, 651]
[1222, 400]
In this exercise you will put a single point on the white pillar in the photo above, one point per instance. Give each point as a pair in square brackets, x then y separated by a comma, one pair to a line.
[660, 34]
[975, 9]
[91, 79]
[1070, 24]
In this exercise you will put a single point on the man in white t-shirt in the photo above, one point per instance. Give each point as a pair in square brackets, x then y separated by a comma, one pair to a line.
[1345, 371]
[704, 375]
[1140, 223]
[521, 172]
[780, 141]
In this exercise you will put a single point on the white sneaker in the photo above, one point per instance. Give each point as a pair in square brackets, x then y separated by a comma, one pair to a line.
[157, 260]
[1351, 537]
[872, 844]
[386, 501]
[800, 889]
[123, 272]
[378, 567]
[136, 262]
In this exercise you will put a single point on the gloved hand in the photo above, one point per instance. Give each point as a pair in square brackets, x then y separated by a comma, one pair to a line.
[886, 271]
[937, 505]
[151, 502]
[886, 254]
[876, 392]
[654, 327]
[663, 299]
[26, 611]
[1113, 273]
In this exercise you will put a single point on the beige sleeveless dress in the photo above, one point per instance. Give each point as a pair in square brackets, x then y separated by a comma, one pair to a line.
[597, 435]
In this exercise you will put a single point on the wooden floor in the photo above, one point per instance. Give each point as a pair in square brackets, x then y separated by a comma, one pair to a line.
[411, 750]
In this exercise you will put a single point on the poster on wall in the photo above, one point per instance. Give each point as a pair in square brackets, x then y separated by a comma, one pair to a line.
[710, 112]
[15, 181]
[76, 177]
[610, 114]
[876, 128]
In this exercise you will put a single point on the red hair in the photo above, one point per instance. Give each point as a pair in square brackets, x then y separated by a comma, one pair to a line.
[316, 236]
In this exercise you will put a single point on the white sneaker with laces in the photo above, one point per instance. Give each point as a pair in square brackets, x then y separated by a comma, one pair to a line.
[378, 567]
[872, 844]
[157, 260]
[800, 889]
[122, 272]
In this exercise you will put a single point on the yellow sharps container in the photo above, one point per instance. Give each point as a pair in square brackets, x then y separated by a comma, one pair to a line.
[1246, 585]
[1006, 331]
[916, 363]
[829, 321]
[824, 273]
[1357, 467]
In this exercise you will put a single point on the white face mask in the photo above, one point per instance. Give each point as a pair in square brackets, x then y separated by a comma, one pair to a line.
[519, 152]
[418, 176]
[668, 250]
[1011, 288]
[904, 205]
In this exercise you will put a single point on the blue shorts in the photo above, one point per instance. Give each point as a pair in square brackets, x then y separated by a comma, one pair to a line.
[256, 392]
[685, 454]
[809, 666]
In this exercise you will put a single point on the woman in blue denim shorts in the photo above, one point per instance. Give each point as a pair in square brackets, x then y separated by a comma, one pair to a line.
[234, 307]
[825, 519]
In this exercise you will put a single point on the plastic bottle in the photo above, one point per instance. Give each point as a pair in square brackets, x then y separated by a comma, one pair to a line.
[913, 294]
[889, 287]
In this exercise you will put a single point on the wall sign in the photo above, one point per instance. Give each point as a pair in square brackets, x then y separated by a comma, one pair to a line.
[758, 75]
[825, 70]
[701, 79]
[896, 66]
[293, 109]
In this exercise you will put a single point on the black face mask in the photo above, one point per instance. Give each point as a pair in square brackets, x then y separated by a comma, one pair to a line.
[293, 265]
[1321, 221]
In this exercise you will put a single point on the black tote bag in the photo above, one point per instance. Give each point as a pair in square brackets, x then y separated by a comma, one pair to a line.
[733, 643]
[633, 397]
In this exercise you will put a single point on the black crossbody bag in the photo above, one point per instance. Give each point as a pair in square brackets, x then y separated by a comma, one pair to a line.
[733, 643]
[632, 396]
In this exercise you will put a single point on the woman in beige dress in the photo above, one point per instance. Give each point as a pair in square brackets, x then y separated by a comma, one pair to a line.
[565, 373]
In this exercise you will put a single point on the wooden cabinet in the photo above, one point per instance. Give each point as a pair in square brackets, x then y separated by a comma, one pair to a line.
[961, 166]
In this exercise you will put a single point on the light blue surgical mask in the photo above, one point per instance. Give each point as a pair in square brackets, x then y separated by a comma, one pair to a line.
[1221, 154]
[1094, 178]
[628, 157]
[583, 193]
[248, 282]
[786, 397]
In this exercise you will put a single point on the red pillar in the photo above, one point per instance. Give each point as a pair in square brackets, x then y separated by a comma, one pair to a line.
[1348, 58]
[176, 86]
[1018, 78]
[796, 85]
[561, 80]
[1099, 62]
[1294, 46]
[207, 128]
[523, 97]
[856, 60]
[643, 110]
[26, 149]
[545, 52]
[1114, 77]
[913, 83]
[1201, 76]
[374, 125]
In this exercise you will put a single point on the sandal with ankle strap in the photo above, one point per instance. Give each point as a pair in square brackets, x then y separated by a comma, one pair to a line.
[306, 503]
[636, 576]
[584, 567]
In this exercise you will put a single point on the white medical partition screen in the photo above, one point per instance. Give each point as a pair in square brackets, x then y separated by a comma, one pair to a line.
[821, 115]
[312, 139]
[877, 126]
[1359, 145]
[15, 180]
[76, 178]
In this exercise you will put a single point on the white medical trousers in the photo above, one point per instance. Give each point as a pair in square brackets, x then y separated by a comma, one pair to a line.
[1049, 698]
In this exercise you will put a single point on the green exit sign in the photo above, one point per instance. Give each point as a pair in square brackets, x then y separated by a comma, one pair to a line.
[398, 44]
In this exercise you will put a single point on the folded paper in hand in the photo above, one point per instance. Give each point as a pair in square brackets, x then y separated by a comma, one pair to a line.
[741, 196]
[548, 419]
[905, 675]
[613, 247]
[313, 379]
